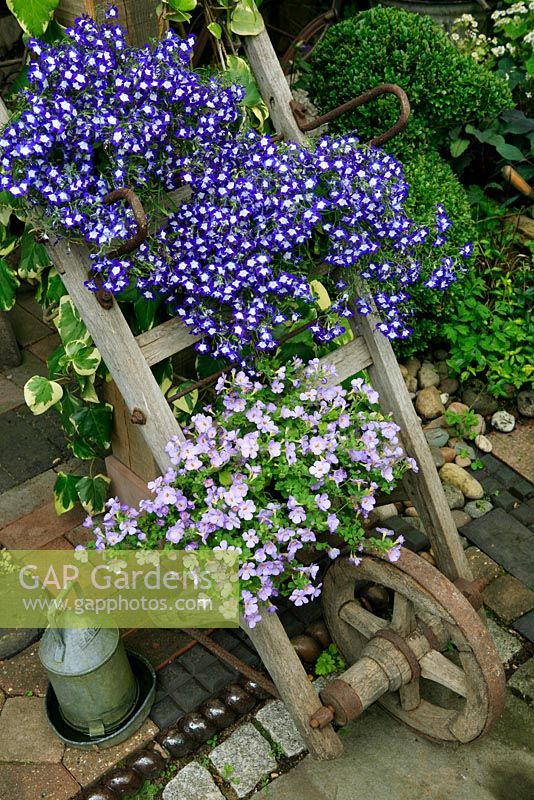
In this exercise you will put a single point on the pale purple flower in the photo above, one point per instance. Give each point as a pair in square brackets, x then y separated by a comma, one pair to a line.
[322, 501]
[319, 468]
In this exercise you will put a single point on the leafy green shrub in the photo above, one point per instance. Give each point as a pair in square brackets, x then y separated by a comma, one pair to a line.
[329, 661]
[492, 332]
[431, 179]
[386, 45]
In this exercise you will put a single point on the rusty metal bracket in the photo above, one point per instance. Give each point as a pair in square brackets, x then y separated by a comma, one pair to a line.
[384, 88]
[341, 703]
[232, 661]
[139, 215]
[403, 647]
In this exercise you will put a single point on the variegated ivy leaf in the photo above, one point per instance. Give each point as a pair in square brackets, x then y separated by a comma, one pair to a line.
[323, 298]
[69, 324]
[41, 394]
[186, 403]
[33, 15]
[87, 388]
[8, 286]
[92, 492]
[86, 360]
[245, 19]
[65, 492]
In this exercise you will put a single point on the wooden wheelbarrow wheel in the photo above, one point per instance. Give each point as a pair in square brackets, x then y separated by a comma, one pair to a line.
[387, 658]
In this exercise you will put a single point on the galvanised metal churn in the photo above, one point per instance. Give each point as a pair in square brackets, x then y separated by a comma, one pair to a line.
[88, 669]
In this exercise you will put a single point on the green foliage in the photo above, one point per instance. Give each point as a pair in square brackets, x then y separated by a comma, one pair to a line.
[33, 15]
[40, 394]
[432, 181]
[9, 283]
[227, 773]
[148, 791]
[277, 751]
[386, 45]
[492, 333]
[462, 423]
[329, 661]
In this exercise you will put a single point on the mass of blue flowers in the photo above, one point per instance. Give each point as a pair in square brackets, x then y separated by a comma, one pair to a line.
[236, 261]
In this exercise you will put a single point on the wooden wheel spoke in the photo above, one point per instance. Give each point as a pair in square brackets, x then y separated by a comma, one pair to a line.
[403, 618]
[410, 696]
[436, 667]
[362, 620]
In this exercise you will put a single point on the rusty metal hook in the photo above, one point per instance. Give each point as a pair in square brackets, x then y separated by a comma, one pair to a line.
[350, 105]
[139, 215]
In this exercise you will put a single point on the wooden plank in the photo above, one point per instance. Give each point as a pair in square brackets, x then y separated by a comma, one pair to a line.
[165, 340]
[349, 359]
[283, 665]
[273, 85]
[125, 484]
[138, 17]
[424, 486]
[119, 350]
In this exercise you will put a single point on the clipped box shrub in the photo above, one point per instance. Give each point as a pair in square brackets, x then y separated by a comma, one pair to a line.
[387, 45]
[432, 181]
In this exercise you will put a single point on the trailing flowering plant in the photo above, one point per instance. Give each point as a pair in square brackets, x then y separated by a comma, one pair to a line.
[235, 261]
[285, 465]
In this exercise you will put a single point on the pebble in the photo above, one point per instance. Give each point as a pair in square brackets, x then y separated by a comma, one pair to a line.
[428, 403]
[483, 443]
[525, 403]
[444, 397]
[381, 513]
[411, 512]
[460, 517]
[454, 496]
[436, 437]
[441, 355]
[448, 453]
[480, 426]
[428, 376]
[503, 421]
[449, 385]
[437, 457]
[307, 648]
[464, 449]
[458, 408]
[480, 401]
[442, 369]
[462, 461]
[439, 422]
[477, 508]
[413, 365]
[456, 476]
[411, 384]
[403, 371]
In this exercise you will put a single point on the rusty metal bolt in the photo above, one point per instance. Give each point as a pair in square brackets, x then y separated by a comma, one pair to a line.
[138, 417]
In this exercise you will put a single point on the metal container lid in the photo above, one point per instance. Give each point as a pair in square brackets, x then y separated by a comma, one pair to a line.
[77, 651]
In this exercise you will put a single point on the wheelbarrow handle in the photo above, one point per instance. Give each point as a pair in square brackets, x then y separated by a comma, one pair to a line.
[139, 215]
[350, 105]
